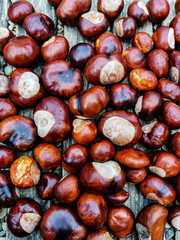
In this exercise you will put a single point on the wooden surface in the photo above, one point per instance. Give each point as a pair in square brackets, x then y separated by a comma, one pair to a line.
[136, 201]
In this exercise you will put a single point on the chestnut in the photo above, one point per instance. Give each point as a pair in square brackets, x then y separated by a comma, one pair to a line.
[7, 156]
[61, 222]
[48, 156]
[18, 132]
[122, 96]
[52, 119]
[7, 108]
[16, 54]
[138, 11]
[156, 188]
[135, 175]
[84, 131]
[61, 79]
[121, 221]
[102, 151]
[106, 177]
[25, 89]
[74, 157]
[125, 28]
[175, 143]
[117, 199]
[9, 193]
[155, 134]
[171, 115]
[104, 69]
[39, 26]
[164, 38]
[151, 222]
[122, 128]
[100, 234]
[5, 36]
[157, 62]
[176, 185]
[4, 85]
[148, 105]
[67, 189]
[80, 54]
[143, 41]
[24, 217]
[174, 218]
[108, 43]
[177, 6]
[158, 10]
[110, 8]
[175, 67]
[175, 23]
[134, 58]
[70, 10]
[25, 172]
[132, 158]
[19, 10]
[92, 210]
[92, 24]
[143, 79]
[54, 3]
[56, 48]
[164, 164]
[46, 184]
[89, 103]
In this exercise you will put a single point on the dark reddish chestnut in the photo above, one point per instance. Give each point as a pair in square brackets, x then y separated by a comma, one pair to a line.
[100, 234]
[176, 184]
[54, 3]
[135, 175]
[175, 24]
[4, 85]
[171, 115]
[175, 143]
[174, 71]
[5, 36]
[125, 28]
[177, 6]
[138, 11]
[7, 156]
[143, 41]
[117, 199]
[7, 108]
[174, 218]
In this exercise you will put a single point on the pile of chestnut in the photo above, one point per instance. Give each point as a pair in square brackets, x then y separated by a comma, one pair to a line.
[88, 202]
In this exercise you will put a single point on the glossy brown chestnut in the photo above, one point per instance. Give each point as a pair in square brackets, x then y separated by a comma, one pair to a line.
[39, 26]
[135, 175]
[4, 86]
[108, 43]
[151, 222]
[106, 177]
[48, 156]
[89, 103]
[25, 89]
[157, 62]
[18, 132]
[74, 157]
[156, 188]
[19, 10]
[122, 128]
[67, 189]
[52, 127]
[110, 8]
[84, 131]
[9, 193]
[7, 156]
[25, 172]
[56, 48]
[174, 218]
[92, 210]
[117, 199]
[134, 58]
[7, 108]
[54, 3]
[61, 79]
[16, 54]
[46, 184]
[143, 41]
[61, 222]
[174, 71]
[175, 24]
[121, 221]
[105, 69]
[100, 234]
[80, 54]
[5, 36]
[70, 10]
[175, 143]
[158, 10]
[171, 115]
[169, 90]
[102, 151]
[177, 6]
[164, 38]
[132, 158]
[138, 11]
[143, 79]
[155, 134]
[24, 217]
[164, 164]
[92, 24]
[148, 105]
[176, 185]
[125, 28]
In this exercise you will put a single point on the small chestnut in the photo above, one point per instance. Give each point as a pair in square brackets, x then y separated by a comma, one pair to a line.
[100, 234]
[7, 156]
[143, 41]
[177, 6]
[171, 115]
[5, 36]
[25, 172]
[54, 3]
[175, 24]
[4, 85]
[24, 217]
[48, 156]
[92, 210]
[7, 108]
[174, 218]
[138, 11]
[84, 131]
[174, 71]
[125, 28]
[175, 143]
[176, 185]
[135, 175]
[117, 199]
